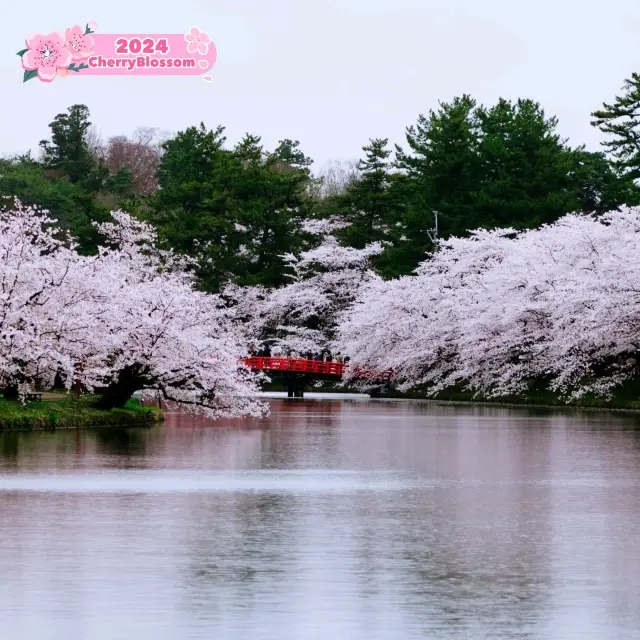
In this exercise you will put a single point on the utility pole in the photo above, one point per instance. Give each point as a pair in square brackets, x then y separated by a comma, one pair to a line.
[433, 233]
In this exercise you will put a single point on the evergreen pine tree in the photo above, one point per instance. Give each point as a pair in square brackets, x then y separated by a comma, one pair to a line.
[68, 151]
[525, 167]
[288, 152]
[441, 173]
[369, 204]
[236, 211]
[621, 121]
[249, 149]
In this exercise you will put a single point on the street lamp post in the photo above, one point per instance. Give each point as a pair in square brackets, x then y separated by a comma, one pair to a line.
[433, 233]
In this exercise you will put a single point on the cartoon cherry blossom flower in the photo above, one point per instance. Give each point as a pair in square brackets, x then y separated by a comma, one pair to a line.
[92, 25]
[197, 41]
[79, 44]
[46, 54]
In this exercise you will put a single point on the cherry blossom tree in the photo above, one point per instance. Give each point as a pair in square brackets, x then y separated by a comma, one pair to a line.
[42, 279]
[303, 315]
[245, 308]
[500, 309]
[141, 154]
[176, 340]
[127, 319]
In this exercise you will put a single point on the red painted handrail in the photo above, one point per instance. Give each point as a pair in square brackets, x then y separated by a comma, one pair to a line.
[302, 365]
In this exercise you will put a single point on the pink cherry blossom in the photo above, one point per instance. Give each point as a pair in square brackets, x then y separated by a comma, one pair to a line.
[92, 25]
[131, 307]
[46, 54]
[197, 41]
[80, 45]
[492, 312]
[304, 314]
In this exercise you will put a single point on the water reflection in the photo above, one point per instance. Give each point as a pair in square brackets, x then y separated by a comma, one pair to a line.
[347, 519]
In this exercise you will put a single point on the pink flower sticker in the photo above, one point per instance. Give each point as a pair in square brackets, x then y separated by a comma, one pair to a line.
[46, 54]
[197, 41]
[79, 44]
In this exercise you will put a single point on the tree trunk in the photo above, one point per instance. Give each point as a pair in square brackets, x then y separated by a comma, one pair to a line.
[58, 383]
[10, 392]
[116, 394]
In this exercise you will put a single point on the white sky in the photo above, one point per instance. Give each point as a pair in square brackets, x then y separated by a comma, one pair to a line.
[331, 73]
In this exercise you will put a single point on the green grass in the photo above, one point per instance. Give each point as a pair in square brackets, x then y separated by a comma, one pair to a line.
[58, 411]
[626, 397]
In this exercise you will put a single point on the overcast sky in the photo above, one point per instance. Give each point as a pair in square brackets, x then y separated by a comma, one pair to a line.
[332, 73]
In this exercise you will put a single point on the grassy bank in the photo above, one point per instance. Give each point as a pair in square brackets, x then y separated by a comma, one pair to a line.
[57, 411]
[626, 398]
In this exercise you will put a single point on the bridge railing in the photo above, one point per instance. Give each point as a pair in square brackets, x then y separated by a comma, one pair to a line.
[299, 365]
[302, 365]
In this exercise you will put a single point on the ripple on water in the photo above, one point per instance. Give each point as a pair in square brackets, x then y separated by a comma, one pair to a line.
[267, 481]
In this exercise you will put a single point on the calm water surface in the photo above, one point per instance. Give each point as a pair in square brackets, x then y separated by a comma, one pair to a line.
[342, 520]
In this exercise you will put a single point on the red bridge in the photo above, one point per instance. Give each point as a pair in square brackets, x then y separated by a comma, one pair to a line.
[299, 365]
[300, 371]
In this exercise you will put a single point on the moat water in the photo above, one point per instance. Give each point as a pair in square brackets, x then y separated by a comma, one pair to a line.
[333, 519]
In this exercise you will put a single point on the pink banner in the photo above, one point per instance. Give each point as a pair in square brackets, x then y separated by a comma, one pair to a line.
[81, 51]
[147, 54]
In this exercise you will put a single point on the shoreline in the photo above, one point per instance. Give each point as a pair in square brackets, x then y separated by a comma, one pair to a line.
[47, 416]
[52, 415]
[327, 395]
[625, 400]
[618, 405]
[506, 405]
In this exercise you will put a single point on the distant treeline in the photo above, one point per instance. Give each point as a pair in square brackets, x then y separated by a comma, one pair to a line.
[239, 209]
